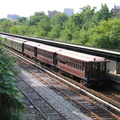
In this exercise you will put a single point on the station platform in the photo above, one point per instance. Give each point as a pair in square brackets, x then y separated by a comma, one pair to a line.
[115, 80]
[114, 77]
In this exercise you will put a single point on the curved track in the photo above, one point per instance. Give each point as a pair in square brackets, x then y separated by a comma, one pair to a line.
[87, 106]
[90, 106]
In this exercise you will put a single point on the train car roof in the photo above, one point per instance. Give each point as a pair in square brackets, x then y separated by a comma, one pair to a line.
[3, 36]
[81, 56]
[18, 41]
[30, 43]
[14, 39]
[48, 48]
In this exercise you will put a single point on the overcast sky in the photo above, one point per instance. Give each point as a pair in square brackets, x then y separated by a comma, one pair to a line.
[27, 8]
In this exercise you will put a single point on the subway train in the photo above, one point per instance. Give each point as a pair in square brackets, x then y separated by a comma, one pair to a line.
[88, 69]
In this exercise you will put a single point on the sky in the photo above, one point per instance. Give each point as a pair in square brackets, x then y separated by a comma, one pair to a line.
[26, 8]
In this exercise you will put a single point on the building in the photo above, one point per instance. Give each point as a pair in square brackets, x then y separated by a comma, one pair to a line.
[69, 12]
[52, 13]
[12, 16]
[116, 10]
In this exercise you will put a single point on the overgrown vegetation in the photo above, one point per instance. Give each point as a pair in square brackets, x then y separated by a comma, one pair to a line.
[88, 27]
[10, 98]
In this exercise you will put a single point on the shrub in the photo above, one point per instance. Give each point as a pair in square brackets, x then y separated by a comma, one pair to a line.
[10, 98]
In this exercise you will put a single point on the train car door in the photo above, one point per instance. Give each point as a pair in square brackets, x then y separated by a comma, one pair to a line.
[55, 59]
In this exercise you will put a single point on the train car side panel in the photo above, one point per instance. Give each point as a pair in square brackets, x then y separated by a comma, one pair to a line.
[71, 66]
[72, 71]
[17, 45]
[30, 49]
[45, 59]
[47, 54]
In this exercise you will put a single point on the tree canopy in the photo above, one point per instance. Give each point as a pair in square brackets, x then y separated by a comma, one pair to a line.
[87, 27]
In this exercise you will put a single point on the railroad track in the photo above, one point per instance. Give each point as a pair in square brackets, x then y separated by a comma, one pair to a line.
[107, 115]
[31, 112]
[46, 110]
[51, 97]
[110, 93]
[84, 104]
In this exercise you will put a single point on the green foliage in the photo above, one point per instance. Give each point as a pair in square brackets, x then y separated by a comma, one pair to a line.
[15, 29]
[106, 35]
[6, 25]
[43, 29]
[38, 17]
[78, 22]
[0, 38]
[87, 17]
[22, 20]
[103, 13]
[10, 98]
[55, 32]
[85, 27]
[2, 20]
[83, 37]
[59, 19]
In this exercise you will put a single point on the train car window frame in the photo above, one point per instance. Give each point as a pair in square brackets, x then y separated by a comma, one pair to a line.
[102, 66]
[45, 53]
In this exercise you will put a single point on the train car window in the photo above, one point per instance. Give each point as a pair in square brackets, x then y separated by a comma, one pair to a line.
[95, 65]
[79, 66]
[82, 66]
[88, 66]
[73, 63]
[65, 58]
[60, 57]
[102, 66]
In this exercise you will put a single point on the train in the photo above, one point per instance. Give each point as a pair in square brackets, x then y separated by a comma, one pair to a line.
[89, 69]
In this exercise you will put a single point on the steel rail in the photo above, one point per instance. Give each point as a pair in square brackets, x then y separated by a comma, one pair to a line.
[63, 118]
[92, 113]
[110, 104]
[31, 102]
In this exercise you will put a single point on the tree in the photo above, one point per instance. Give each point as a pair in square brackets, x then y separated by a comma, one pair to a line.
[6, 25]
[78, 22]
[59, 18]
[22, 20]
[106, 35]
[36, 18]
[57, 23]
[2, 20]
[103, 13]
[55, 32]
[43, 29]
[15, 29]
[88, 17]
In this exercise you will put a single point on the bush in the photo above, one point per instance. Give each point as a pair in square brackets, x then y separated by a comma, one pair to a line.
[10, 98]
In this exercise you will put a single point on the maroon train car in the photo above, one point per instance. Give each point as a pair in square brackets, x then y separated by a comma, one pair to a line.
[47, 54]
[91, 69]
[30, 49]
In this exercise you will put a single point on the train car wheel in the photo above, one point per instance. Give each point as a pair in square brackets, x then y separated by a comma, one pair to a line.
[84, 83]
